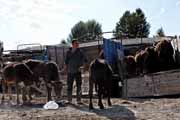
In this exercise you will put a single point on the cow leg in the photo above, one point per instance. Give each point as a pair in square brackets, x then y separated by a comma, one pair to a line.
[48, 92]
[109, 88]
[17, 92]
[57, 89]
[2, 98]
[109, 96]
[29, 94]
[4, 91]
[90, 93]
[24, 97]
[100, 98]
[9, 92]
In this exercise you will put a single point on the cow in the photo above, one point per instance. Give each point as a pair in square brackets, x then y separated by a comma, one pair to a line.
[130, 65]
[156, 58]
[48, 71]
[17, 74]
[165, 53]
[151, 60]
[100, 74]
[147, 61]
[139, 59]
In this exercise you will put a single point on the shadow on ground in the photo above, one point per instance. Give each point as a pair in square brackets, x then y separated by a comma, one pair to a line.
[112, 112]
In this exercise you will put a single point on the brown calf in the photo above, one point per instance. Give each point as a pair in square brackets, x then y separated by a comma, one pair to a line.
[49, 72]
[17, 74]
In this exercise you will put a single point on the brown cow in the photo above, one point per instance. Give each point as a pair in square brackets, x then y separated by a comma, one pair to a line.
[49, 72]
[155, 59]
[17, 74]
[151, 60]
[147, 61]
[130, 66]
[139, 59]
[100, 75]
[165, 53]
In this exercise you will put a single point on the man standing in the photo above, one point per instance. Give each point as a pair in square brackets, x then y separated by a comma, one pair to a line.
[74, 60]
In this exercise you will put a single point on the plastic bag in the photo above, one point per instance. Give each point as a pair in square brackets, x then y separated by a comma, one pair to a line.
[51, 105]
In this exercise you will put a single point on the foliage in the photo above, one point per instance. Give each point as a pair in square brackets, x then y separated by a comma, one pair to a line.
[132, 25]
[85, 31]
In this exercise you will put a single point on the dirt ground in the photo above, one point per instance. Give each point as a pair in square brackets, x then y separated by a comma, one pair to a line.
[132, 109]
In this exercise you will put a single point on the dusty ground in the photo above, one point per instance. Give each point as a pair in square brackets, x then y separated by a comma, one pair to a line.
[140, 109]
[131, 109]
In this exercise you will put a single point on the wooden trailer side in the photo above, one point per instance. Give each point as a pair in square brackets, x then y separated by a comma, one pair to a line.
[157, 84]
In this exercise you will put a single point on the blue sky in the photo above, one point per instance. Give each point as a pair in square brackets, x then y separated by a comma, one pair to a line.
[50, 21]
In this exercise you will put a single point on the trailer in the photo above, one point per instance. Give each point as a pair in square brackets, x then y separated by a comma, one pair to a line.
[26, 51]
[163, 83]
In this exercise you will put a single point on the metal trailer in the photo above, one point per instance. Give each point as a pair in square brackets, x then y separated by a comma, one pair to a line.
[26, 51]
[163, 83]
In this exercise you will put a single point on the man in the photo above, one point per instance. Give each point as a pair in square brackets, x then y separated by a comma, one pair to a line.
[74, 60]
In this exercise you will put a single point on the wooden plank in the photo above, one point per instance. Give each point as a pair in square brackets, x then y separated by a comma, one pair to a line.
[158, 84]
[140, 86]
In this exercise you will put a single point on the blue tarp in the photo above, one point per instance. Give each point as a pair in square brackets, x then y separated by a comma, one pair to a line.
[43, 56]
[111, 49]
[40, 57]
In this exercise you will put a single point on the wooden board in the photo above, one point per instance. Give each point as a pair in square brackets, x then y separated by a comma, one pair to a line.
[158, 84]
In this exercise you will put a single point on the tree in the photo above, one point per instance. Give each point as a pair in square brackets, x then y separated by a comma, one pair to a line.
[85, 31]
[122, 27]
[63, 41]
[160, 32]
[132, 25]
[93, 29]
[78, 31]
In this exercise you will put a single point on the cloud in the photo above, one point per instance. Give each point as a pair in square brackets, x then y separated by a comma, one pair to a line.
[177, 3]
[35, 25]
[157, 15]
[45, 21]
[44, 11]
[162, 11]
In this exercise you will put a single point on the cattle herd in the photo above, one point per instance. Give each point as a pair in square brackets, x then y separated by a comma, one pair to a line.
[30, 74]
[159, 57]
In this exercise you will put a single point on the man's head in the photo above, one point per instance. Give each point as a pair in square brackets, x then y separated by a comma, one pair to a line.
[75, 43]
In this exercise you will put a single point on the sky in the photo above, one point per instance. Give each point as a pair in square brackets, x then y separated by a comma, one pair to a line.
[49, 21]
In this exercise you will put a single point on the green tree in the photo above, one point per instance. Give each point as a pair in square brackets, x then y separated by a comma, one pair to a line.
[132, 25]
[85, 31]
[160, 32]
[63, 41]
[122, 26]
[93, 29]
[78, 31]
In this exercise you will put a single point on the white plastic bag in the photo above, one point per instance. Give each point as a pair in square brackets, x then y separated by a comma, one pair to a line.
[51, 105]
